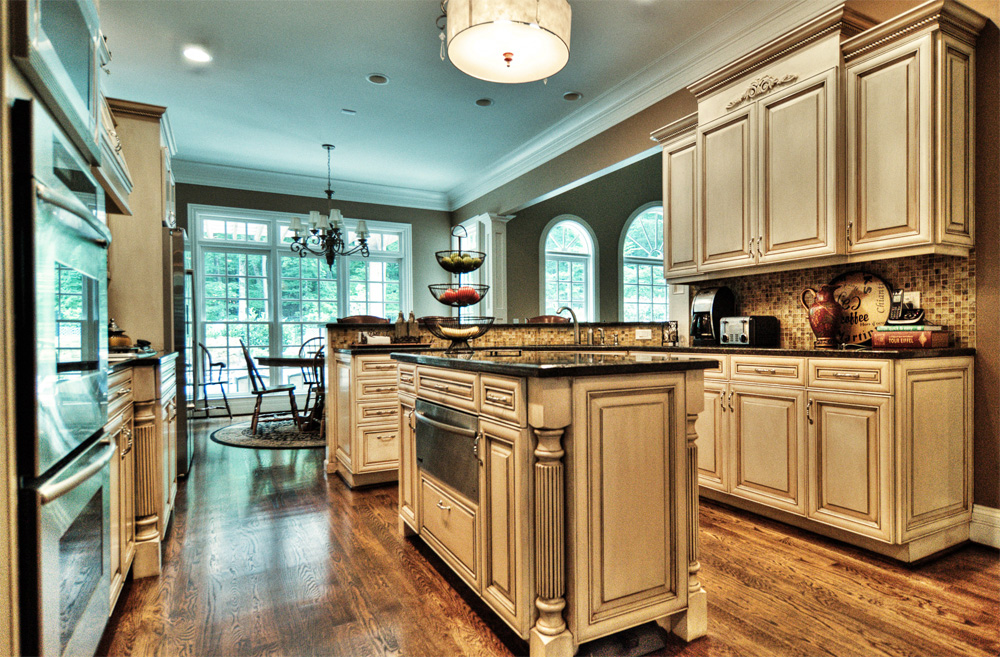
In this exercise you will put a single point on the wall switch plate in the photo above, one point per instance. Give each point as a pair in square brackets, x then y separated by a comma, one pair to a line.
[644, 334]
[911, 299]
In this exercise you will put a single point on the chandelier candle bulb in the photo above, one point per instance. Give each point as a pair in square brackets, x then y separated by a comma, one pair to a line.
[336, 219]
[313, 218]
[362, 229]
[323, 223]
[296, 225]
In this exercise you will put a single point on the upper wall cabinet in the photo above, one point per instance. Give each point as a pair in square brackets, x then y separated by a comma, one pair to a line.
[767, 150]
[910, 138]
[680, 195]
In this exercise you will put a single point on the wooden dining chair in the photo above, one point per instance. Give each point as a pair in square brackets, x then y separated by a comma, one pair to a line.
[213, 374]
[258, 388]
[310, 377]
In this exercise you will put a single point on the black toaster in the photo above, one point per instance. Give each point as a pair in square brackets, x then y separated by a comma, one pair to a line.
[752, 331]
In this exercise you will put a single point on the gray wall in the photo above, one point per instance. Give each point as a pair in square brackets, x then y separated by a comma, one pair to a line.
[605, 204]
[431, 228]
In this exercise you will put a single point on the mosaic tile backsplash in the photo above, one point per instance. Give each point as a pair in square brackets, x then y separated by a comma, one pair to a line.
[947, 287]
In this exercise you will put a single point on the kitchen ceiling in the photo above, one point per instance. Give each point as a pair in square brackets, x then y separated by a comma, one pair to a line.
[284, 70]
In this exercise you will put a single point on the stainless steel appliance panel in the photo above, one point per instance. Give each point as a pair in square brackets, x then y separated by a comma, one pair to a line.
[448, 446]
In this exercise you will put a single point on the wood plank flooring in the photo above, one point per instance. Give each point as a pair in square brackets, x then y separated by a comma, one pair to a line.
[268, 556]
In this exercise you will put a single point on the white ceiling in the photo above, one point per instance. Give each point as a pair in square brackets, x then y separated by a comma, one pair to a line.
[284, 69]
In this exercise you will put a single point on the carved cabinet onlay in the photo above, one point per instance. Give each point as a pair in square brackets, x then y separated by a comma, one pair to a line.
[763, 85]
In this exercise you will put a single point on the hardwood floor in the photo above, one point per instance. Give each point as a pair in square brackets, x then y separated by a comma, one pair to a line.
[268, 556]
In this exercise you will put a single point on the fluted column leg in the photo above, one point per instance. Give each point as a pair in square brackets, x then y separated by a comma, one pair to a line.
[147, 532]
[550, 636]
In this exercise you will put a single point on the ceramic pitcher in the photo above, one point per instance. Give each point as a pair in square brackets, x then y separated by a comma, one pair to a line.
[825, 315]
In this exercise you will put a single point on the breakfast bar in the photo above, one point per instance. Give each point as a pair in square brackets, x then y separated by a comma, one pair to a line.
[560, 486]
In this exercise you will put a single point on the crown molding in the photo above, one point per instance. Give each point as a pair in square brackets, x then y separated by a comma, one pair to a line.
[701, 54]
[274, 182]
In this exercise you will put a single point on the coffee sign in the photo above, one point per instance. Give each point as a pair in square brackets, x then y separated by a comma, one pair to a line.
[865, 298]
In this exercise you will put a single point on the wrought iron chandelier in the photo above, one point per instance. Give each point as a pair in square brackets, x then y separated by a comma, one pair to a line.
[325, 236]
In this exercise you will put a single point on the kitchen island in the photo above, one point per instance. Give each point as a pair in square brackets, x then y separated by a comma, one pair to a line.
[560, 486]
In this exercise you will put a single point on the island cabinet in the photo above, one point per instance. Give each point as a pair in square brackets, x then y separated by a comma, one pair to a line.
[120, 428]
[580, 518]
[872, 451]
[154, 388]
[910, 132]
[362, 418]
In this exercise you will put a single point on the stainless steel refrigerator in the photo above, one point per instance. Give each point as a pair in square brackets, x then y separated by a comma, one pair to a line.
[180, 326]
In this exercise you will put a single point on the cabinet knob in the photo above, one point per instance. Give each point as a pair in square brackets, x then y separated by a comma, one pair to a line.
[444, 507]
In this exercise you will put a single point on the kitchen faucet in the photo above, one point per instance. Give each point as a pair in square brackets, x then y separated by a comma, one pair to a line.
[576, 324]
[601, 331]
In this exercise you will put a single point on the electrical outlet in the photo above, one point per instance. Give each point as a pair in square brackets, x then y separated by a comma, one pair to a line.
[911, 299]
[644, 334]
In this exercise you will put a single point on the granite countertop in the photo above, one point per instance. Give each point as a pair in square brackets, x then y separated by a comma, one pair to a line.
[842, 352]
[381, 348]
[146, 358]
[552, 363]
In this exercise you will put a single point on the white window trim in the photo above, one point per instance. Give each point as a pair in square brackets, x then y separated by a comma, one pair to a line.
[197, 213]
[621, 260]
[594, 291]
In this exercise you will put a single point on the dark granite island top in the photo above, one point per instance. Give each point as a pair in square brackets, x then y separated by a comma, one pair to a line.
[554, 363]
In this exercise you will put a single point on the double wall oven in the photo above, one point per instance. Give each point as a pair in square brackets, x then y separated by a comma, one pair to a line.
[60, 317]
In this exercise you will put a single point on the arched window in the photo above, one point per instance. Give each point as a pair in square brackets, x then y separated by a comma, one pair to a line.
[569, 268]
[644, 291]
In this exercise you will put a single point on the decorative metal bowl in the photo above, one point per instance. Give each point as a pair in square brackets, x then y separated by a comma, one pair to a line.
[459, 296]
[459, 330]
[460, 261]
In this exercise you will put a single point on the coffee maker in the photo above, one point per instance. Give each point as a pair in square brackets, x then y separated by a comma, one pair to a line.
[707, 308]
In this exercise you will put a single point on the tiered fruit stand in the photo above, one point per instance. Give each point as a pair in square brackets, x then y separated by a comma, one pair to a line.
[459, 295]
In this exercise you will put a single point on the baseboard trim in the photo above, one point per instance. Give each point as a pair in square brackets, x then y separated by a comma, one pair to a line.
[985, 527]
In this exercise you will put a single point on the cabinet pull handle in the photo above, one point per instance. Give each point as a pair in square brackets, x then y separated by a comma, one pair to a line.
[809, 410]
[127, 433]
[382, 367]
[722, 402]
[731, 403]
[383, 389]
[497, 398]
[382, 412]
[121, 393]
[847, 375]
[444, 507]
[434, 386]
[850, 231]
[406, 378]
[385, 436]
[760, 254]
[412, 421]
[475, 445]
[765, 370]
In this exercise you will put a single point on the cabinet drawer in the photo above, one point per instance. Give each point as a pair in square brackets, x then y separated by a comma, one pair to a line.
[502, 398]
[449, 387]
[380, 446]
[407, 377]
[768, 369]
[374, 366]
[376, 389]
[168, 372]
[119, 392]
[720, 371]
[860, 375]
[449, 526]
[377, 411]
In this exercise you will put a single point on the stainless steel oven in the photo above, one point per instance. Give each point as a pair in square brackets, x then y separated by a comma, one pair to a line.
[55, 43]
[61, 383]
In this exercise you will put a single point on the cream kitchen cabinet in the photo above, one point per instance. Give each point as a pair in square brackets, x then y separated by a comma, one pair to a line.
[407, 461]
[120, 428]
[680, 194]
[910, 132]
[713, 436]
[362, 418]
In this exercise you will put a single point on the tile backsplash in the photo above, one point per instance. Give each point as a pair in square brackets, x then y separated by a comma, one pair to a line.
[947, 287]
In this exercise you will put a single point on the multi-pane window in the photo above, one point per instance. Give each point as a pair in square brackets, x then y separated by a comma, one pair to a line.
[644, 290]
[69, 314]
[569, 269]
[253, 287]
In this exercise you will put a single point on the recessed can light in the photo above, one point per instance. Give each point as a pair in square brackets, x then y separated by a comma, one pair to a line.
[572, 96]
[484, 102]
[348, 112]
[377, 78]
[197, 54]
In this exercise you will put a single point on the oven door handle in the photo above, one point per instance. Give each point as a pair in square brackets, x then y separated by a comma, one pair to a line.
[75, 207]
[471, 433]
[57, 489]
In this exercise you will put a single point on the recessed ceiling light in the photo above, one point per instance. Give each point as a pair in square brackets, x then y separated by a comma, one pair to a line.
[348, 112]
[572, 96]
[484, 102]
[197, 54]
[377, 78]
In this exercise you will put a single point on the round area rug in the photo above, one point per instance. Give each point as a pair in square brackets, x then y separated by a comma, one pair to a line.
[270, 435]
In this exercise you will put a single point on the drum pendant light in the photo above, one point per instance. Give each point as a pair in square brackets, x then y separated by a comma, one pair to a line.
[508, 41]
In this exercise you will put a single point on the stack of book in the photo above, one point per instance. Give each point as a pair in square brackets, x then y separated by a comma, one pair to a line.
[911, 336]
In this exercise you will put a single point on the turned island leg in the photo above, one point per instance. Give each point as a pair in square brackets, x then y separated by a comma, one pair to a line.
[146, 562]
[550, 636]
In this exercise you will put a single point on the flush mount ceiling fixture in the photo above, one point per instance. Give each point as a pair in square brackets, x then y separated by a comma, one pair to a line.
[508, 41]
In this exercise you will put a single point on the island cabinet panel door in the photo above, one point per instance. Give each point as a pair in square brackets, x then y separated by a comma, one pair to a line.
[629, 442]
[768, 434]
[407, 463]
[504, 503]
[850, 451]
[713, 438]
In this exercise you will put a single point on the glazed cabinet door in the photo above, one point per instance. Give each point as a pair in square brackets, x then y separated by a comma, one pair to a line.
[407, 464]
[768, 426]
[506, 534]
[850, 456]
[116, 571]
[797, 129]
[889, 113]
[713, 437]
[680, 194]
[127, 491]
[726, 183]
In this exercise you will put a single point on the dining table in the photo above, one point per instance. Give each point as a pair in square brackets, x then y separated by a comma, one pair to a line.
[314, 415]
